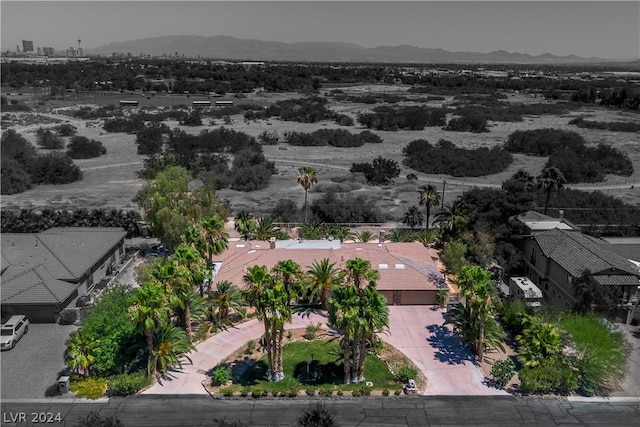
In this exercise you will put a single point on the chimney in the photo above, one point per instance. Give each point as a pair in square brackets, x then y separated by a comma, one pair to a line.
[272, 243]
[560, 214]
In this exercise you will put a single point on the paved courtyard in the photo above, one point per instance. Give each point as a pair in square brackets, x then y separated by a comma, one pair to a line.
[417, 331]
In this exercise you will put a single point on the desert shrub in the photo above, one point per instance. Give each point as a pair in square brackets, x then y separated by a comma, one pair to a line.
[94, 419]
[502, 371]
[406, 373]
[221, 375]
[54, 168]
[552, 376]
[251, 345]
[332, 187]
[326, 390]
[90, 388]
[339, 392]
[269, 138]
[14, 177]
[81, 147]
[397, 393]
[150, 138]
[292, 392]
[310, 391]
[91, 113]
[380, 171]
[346, 208]
[304, 110]
[256, 394]
[316, 416]
[344, 120]
[385, 392]
[194, 118]
[543, 142]
[48, 140]
[355, 392]
[244, 392]
[311, 331]
[446, 158]
[127, 384]
[227, 392]
[469, 122]
[411, 118]
[286, 210]
[588, 164]
[610, 126]
[66, 129]
[453, 255]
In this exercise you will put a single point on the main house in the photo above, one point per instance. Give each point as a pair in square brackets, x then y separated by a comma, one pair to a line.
[408, 271]
[44, 273]
[556, 253]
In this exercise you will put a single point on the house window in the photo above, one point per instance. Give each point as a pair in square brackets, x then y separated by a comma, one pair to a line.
[534, 255]
[527, 270]
[567, 280]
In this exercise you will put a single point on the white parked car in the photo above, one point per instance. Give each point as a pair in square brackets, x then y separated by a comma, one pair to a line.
[12, 331]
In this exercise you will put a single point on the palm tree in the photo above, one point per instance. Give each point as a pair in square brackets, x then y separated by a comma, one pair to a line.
[312, 230]
[453, 219]
[524, 178]
[277, 312]
[264, 228]
[324, 276]
[190, 273]
[552, 179]
[413, 217]
[81, 352]
[359, 273]
[374, 318]
[364, 236]
[306, 178]
[148, 312]
[172, 346]
[258, 281]
[341, 233]
[343, 314]
[289, 273]
[428, 197]
[244, 224]
[401, 235]
[538, 342]
[226, 297]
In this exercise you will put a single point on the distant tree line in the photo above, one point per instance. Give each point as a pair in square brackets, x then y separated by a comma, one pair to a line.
[22, 167]
[410, 118]
[445, 158]
[568, 152]
[37, 220]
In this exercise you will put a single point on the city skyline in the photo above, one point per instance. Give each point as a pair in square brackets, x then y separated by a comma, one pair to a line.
[609, 30]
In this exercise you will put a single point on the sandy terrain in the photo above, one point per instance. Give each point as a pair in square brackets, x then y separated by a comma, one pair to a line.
[110, 181]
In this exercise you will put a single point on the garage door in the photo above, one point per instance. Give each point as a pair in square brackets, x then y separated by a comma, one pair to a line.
[388, 295]
[418, 297]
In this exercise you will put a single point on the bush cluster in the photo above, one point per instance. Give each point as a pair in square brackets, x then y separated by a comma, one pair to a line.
[90, 388]
[411, 118]
[380, 171]
[90, 113]
[81, 147]
[468, 122]
[221, 375]
[333, 137]
[48, 140]
[543, 142]
[345, 208]
[127, 384]
[610, 126]
[446, 158]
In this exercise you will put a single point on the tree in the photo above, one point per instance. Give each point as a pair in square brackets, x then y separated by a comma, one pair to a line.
[380, 171]
[190, 273]
[343, 313]
[428, 197]
[226, 297]
[306, 178]
[81, 352]
[289, 273]
[209, 237]
[148, 311]
[324, 277]
[453, 219]
[593, 296]
[172, 345]
[539, 341]
[551, 179]
[413, 217]
[477, 288]
[48, 140]
[244, 224]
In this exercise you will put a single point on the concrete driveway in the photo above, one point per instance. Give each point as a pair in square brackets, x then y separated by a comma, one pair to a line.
[417, 331]
[34, 364]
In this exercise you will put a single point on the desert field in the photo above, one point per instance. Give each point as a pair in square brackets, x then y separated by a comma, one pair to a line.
[111, 181]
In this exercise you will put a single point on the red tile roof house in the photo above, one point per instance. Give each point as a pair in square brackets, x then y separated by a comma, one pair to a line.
[408, 271]
[44, 273]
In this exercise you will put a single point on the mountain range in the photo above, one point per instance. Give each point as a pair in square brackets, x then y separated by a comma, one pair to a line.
[224, 47]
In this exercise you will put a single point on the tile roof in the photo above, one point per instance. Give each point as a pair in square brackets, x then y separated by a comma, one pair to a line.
[67, 253]
[576, 252]
[34, 285]
[409, 266]
[617, 279]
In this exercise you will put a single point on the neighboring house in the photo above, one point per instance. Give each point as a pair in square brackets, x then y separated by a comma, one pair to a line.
[557, 254]
[44, 273]
[408, 271]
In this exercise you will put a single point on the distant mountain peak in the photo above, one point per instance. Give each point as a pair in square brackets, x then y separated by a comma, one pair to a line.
[226, 47]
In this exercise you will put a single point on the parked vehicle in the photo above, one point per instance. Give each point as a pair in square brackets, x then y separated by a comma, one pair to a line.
[14, 329]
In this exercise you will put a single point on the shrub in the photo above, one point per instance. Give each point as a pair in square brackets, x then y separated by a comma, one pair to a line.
[502, 371]
[46, 139]
[355, 393]
[385, 392]
[127, 384]
[325, 391]
[317, 415]
[256, 394]
[81, 147]
[310, 391]
[397, 393]
[293, 392]
[380, 171]
[90, 388]
[552, 376]
[227, 392]
[221, 375]
[339, 392]
[311, 331]
[54, 168]
[251, 345]
[406, 373]
[365, 391]
[66, 129]
[244, 392]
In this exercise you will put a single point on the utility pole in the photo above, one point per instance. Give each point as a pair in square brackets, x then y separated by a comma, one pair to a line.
[444, 183]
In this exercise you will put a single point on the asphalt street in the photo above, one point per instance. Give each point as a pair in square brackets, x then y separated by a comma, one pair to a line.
[141, 411]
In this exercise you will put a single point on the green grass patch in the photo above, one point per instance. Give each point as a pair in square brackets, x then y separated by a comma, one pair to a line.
[313, 365]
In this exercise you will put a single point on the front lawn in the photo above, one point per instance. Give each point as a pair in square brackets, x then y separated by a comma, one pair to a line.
[310, 365]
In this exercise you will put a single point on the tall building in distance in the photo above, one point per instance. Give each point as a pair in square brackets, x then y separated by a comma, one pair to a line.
[47, 51]
[27, 46]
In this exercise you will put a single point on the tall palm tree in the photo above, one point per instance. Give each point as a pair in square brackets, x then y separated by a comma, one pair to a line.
[413, 217]
[374, 318]
[551, 179]
[289, 273]
[359, 273]
[428, 197]
[190, 274]
[277, 312]
[324, 276]
[343, 315]
[524, 178]
[306, 178]
[258, 280]
[244, 224]
[265, 228]
[148, 312]
[225, 298]
[453, 219]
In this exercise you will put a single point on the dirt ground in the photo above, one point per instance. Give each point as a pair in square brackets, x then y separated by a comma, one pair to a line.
[111, 181]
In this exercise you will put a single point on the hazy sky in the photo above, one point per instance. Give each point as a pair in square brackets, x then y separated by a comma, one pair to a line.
[605, 29]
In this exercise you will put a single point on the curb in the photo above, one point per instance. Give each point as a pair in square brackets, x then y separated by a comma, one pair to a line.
[582, 399]
[55, 400]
